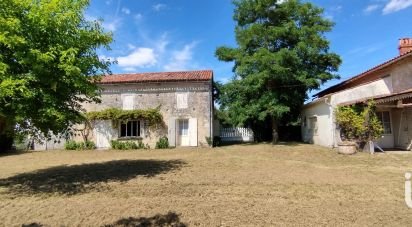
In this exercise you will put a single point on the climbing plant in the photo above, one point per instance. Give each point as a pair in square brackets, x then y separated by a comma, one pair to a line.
[359, 122]
[152, 116]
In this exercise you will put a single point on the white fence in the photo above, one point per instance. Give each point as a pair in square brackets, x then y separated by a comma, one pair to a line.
[236, 134]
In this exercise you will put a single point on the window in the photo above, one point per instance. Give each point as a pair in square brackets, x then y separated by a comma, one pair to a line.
[128, 102]
[181, 100]
[385, 118]
[131, 129]
[184, 127]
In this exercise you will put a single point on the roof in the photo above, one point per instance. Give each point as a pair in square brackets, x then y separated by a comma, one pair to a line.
[199, 75]
[382, 98]
[385, 64]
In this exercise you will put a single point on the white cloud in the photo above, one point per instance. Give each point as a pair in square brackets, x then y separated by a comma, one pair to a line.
[112, 25]
[159, 7]
[139, 58]
[371, 8]
[131, 46]
[125, 10]
[396, 5]
[331, 12]
[181, 59]
[138, 16]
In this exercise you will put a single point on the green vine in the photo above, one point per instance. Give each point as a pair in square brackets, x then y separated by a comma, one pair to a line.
[153, 116]
[359, 122]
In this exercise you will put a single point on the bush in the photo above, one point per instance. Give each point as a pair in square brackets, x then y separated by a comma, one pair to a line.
[216, 141]
[359, 123]
[73, 145]
[209, 141]
[163, 143]
[70, 145]
[127, 145]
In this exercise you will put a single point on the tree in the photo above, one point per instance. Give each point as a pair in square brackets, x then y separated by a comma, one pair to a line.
[282, 54]
[48, 64]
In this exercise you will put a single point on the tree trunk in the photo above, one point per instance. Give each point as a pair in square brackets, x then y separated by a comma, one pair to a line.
[6, 135]
[275, 133]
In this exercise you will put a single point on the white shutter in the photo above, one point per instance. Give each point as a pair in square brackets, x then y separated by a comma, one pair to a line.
[193, 132]
[181, 100]
[142, 128]
[128, 102]
[172, 132]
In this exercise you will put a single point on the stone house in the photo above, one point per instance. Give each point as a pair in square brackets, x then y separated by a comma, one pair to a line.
[389, 84]
[184, 100]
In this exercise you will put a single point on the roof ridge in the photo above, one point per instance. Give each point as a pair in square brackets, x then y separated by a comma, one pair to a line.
[364, 73]
[194, 75]
[164, 72]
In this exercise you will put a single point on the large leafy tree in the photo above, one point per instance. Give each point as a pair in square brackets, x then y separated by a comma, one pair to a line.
[48, 63]
[282, 54]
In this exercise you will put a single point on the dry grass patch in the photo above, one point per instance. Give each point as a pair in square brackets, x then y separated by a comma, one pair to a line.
[244, 185]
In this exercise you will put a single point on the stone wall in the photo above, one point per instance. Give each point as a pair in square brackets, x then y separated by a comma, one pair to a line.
[163, 95]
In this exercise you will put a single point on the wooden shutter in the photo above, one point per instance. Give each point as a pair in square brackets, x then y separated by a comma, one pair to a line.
[128, 102]
[181, 100]
[172, 132]
[193, 132]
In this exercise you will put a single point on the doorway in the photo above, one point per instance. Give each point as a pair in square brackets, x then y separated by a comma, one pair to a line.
[183, 132]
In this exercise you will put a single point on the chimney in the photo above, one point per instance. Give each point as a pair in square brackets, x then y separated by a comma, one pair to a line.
[405, 45]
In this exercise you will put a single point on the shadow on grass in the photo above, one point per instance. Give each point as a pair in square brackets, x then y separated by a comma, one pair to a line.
[169, 219]
[34, 224]
[71, 180]
[282, 143]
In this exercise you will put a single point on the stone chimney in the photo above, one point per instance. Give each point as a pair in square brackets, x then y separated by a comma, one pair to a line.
[405, 45]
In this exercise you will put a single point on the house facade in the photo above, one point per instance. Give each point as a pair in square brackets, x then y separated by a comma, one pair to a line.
[184, 100]
[388, 84]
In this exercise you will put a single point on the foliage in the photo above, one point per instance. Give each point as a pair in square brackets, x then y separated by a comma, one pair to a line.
[217, 141]
[209, 141]
[127, 145]
[359, 123]
[163, 143]
[73, 145]
[282, 54]
[48, 63]
[153, 116]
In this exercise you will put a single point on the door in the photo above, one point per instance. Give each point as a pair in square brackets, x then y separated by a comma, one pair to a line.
[102, 133]
[183, 132]
[405, 125]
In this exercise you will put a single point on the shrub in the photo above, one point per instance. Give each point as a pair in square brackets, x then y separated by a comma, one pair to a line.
[127, 145]
[209, 141]
[140, 144]
[163, 143]
[216, 141]
[70, 145]
[73, 145]
[359, 123]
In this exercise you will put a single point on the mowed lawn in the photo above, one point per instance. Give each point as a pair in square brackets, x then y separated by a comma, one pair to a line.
[241, 185]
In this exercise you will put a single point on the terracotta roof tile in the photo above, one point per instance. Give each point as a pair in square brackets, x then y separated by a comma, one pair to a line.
[336, 87]
[199, 75]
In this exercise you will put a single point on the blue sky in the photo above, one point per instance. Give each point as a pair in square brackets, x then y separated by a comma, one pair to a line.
[166, 35]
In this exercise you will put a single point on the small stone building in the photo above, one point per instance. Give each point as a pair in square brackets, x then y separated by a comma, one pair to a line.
[184, 99]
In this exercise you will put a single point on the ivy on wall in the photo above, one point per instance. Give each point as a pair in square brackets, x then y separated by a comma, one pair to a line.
[152, 116]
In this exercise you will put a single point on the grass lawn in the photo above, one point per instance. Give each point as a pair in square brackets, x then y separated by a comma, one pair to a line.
[243, 185]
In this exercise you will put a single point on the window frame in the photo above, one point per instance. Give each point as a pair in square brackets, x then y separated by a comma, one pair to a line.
[380, 116]
[139, 126]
